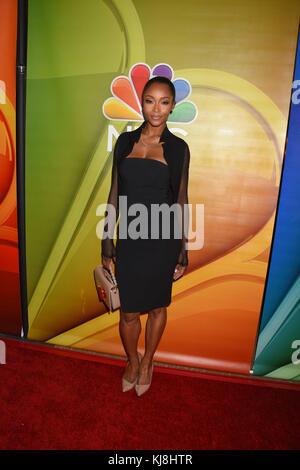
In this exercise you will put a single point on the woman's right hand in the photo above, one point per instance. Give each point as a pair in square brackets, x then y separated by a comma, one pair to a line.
[107, 262]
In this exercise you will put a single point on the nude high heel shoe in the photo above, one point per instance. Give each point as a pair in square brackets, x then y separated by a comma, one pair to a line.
[142, 388]
[126, 385]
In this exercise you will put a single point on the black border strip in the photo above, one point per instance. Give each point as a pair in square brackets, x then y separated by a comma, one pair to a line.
[21, 62]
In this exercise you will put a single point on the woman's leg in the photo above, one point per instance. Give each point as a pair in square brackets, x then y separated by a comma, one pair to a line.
[130, 329]
[156, 322]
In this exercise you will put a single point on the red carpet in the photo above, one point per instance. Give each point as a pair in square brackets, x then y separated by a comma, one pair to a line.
[56, 402]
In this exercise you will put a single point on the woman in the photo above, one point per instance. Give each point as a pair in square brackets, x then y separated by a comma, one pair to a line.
[150, 167]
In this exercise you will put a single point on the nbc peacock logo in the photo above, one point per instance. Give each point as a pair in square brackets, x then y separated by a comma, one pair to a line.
[126, 102]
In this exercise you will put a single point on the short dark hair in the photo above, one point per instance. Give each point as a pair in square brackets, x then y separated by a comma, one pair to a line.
[160, 79]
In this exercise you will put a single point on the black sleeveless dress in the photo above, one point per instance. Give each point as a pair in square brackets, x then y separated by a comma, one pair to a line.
[145, 266]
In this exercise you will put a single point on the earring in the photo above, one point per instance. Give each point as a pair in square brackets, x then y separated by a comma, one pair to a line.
[170, 112]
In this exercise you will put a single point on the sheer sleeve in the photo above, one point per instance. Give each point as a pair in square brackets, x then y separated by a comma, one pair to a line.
[112, 209]
[183, 201]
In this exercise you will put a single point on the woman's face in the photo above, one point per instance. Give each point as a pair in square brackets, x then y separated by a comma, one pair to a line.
[157, 104]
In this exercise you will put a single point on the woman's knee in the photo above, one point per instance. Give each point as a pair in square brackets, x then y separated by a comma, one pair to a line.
[129, 317]
[158, 311]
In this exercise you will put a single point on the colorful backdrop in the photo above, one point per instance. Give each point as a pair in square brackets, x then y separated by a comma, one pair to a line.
[10, 307]
[232, 63]
[278, 347]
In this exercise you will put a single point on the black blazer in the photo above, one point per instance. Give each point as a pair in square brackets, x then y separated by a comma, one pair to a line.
[177, 155]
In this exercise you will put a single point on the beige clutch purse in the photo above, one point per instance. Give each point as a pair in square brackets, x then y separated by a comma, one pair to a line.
[107, 287]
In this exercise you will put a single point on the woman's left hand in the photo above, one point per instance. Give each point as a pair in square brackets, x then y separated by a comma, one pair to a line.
[179, 270]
